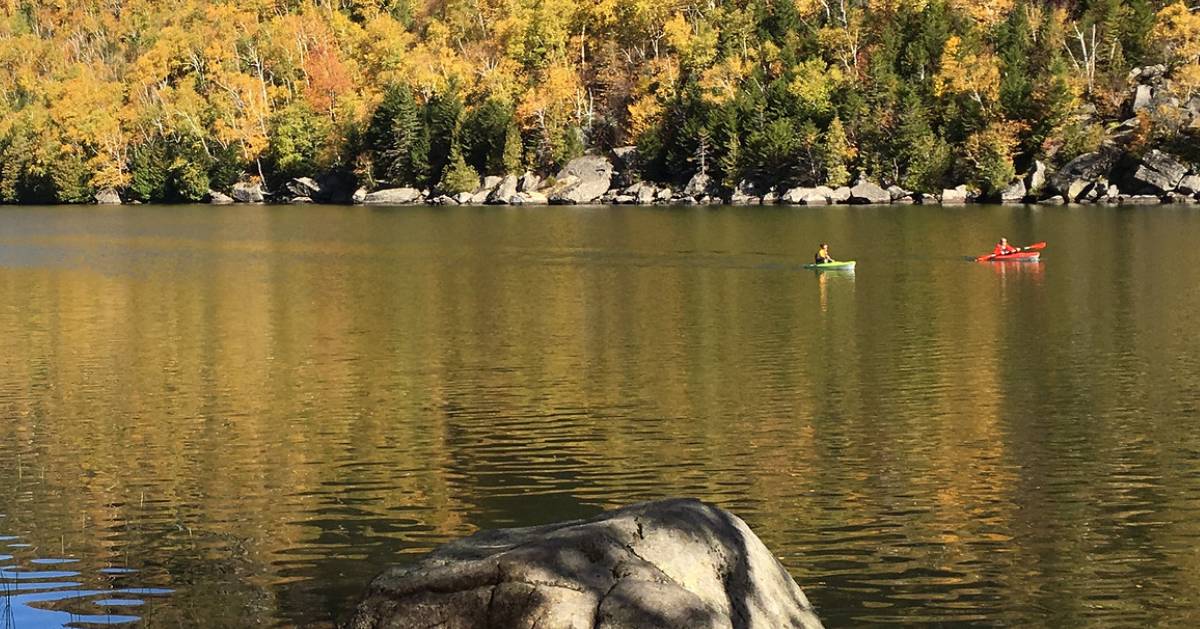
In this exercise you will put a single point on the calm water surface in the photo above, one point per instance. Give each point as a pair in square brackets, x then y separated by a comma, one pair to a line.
[229, 416]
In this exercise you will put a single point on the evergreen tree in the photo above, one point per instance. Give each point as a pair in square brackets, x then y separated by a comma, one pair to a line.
[459, 176]
[443, 115]
[399, 139]
[513, 157]
[836, 154]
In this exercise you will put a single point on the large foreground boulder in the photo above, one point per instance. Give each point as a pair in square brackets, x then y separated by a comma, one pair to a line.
[674, 564]
[593, 176]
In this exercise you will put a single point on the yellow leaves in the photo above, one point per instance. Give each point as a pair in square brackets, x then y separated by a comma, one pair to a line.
[555, 95]
[964, 72]
[814, 84]
[985, 13]
[1177, 30]
[895, 6]
[696, 43]
[644, 114]
[722, 82]
[87, 112]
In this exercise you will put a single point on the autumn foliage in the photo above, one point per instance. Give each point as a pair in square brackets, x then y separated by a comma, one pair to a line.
[164, 101]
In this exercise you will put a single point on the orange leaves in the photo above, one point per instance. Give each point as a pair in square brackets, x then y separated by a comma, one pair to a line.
[328, 78]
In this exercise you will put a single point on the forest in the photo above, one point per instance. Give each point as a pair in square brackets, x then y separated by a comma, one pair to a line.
[165, 102]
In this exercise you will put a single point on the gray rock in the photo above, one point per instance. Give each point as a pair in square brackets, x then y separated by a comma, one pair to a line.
[795, 196]
[624, 199]
[108, 196]
[1140, 199]
[839, 195]
[646, 194]
[1077, 189]
[1088, 167]
[769, 198]
[1189, 184]
[463, 198]
[504, 191]
[535, 198]
[664, 194]
[897, 193]
[673, 564]
[1052, 201]
[1181, 199]
[1147, 74]
[697, 186]
[1143, 97]
[393, 196]
[359, 195]
[954, 196]
[219, 198]
[443, 199]
[866, 192]
[528, 182]
[1160, 170]
[592, 176]
[1014, 193]
[745, 193]
[303, 187]
[1035, 179]
[247, 192]
[300, 201]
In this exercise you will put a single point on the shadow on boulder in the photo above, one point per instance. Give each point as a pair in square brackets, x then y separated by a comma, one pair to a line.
[672, 564]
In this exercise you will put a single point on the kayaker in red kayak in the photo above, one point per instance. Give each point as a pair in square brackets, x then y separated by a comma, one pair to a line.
[1003, 248]
[822, 256]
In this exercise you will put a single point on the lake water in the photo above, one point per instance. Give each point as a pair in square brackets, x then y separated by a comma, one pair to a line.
[219, 416]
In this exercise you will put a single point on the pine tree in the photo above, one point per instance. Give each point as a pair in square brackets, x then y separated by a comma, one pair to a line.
[836, 154]
[459, 177]
[513, 157]
[399, 139]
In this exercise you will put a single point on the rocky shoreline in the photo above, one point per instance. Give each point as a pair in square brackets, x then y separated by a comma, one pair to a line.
[1104, 177]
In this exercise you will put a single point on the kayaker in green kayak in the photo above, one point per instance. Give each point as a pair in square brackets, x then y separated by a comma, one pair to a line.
[822, 256]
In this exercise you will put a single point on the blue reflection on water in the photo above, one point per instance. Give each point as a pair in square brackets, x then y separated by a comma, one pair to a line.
[24, 591]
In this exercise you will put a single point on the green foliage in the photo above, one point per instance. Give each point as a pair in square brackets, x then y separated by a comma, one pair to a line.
[169, 171]
[295, 141]
[924, 157]
[836, 153]
[773, 153]
[490, 138]
[459, 177]
[71, 176]
[443, 114]
[398, 136]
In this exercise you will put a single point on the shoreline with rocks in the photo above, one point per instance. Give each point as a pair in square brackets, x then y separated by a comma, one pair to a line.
[1105, 177]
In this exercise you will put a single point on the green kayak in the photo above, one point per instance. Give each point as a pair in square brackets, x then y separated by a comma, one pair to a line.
[842, 265]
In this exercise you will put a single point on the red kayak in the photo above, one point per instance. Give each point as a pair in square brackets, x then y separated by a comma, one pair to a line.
[1024, 254]
[1020, 256]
